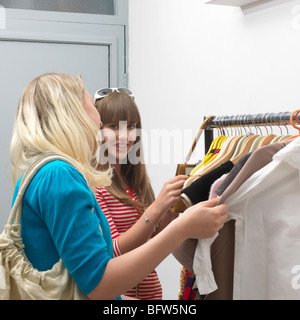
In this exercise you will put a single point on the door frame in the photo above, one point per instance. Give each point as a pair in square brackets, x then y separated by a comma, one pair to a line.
[75, 28]
[72, 28]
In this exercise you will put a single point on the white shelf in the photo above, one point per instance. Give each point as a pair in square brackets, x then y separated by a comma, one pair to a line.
[237, 3]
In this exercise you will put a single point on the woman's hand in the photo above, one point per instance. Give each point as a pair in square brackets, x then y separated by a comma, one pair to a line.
[169, 194]
[200, 221]
[203, 220]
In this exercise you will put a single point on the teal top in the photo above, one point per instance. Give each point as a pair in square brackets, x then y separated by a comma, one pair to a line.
[62, 219]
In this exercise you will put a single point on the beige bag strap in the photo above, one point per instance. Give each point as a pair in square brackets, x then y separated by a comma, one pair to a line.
[15, 214]
[199, 133]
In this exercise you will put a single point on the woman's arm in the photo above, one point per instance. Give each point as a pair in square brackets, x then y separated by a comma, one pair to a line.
[141, 231]
[200, 221]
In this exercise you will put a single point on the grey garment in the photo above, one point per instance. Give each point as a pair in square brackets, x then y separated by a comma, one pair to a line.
[259, 158]
[222, 250]
[232, 174]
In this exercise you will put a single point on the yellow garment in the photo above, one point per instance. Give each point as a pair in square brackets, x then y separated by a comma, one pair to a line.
[209, 157]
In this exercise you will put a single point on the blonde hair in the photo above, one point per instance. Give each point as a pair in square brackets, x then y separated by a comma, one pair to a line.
[51, 119]
[115, 107]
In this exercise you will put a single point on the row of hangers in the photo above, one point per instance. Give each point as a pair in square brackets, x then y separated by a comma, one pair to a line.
[232, 147]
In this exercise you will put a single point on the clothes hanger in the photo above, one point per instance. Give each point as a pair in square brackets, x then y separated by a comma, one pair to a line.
[245, 147]
[284, 137]
[287, 135]
[278, 137]
[195, 174]
[269, 137]
[297, 121]
[228, 150]
[210, 155]
[241, 140]
[240, 149]
[207, 158]
[225, 155]
[239, 146]
[203, 127]
[255, 143]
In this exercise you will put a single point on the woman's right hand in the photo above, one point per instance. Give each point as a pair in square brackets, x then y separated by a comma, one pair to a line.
[169, 194]
[203, 220]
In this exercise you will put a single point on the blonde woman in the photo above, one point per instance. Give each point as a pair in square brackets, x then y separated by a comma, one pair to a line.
[60, 214]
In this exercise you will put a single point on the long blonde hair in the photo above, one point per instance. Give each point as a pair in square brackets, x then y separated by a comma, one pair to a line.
[115, 107]
[51, 119]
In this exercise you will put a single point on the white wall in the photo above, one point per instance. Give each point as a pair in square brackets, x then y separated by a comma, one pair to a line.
[188, 59]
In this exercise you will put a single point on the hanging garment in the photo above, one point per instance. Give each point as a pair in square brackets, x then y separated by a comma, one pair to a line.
[199, 190]
[185, 252]
[267, 243]
[232, 174]
[215, 186]
[258, 160]
[222, 249]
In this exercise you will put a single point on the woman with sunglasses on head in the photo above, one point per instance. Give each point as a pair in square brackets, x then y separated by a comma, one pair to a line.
[133, 213]
[60, 216]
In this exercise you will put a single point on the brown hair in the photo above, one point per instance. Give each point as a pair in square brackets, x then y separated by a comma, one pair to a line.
[115, 107]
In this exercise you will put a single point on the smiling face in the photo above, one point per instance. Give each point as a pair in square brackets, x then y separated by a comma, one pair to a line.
[119, 138]
[121, 119]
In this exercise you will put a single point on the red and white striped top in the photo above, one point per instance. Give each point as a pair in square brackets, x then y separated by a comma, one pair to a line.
[121, 217]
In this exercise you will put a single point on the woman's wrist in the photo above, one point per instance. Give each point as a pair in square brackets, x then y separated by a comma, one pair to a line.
[152, 216]
[156, 209]
[148, 220]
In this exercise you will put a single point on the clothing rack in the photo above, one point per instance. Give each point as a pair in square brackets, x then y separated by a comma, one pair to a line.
[245, 120]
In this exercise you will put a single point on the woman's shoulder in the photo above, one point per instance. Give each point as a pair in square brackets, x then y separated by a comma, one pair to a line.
[103, 195]
[102, 192]
[57, 164]
[55, 180]
[59, 169]
[58, 175]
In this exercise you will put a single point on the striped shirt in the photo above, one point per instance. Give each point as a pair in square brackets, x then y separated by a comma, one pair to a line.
[121, 217]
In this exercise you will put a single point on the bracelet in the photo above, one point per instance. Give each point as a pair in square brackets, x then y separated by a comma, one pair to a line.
[147, 220]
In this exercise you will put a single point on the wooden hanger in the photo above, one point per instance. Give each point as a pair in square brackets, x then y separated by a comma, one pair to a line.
[276, 139]
[209, 155]
[225, 155]
[245, 147]
[266, 140]
[196, 173]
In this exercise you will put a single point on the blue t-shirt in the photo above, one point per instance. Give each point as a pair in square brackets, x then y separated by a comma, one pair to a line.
[62, 219]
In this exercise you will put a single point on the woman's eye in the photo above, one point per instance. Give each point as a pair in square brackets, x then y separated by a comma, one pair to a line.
[131, 126]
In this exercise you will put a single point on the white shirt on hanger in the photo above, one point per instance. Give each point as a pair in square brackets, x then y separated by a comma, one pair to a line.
[267, 233]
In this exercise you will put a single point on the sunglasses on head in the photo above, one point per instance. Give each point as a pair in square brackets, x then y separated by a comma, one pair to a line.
[101, 93]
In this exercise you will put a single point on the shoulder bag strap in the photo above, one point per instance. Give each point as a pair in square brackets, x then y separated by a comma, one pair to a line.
[15, 214]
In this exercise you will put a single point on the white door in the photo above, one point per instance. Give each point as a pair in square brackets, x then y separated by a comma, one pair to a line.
[34, 46]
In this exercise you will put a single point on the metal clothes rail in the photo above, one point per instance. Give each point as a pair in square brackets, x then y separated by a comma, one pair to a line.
[245, 120]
